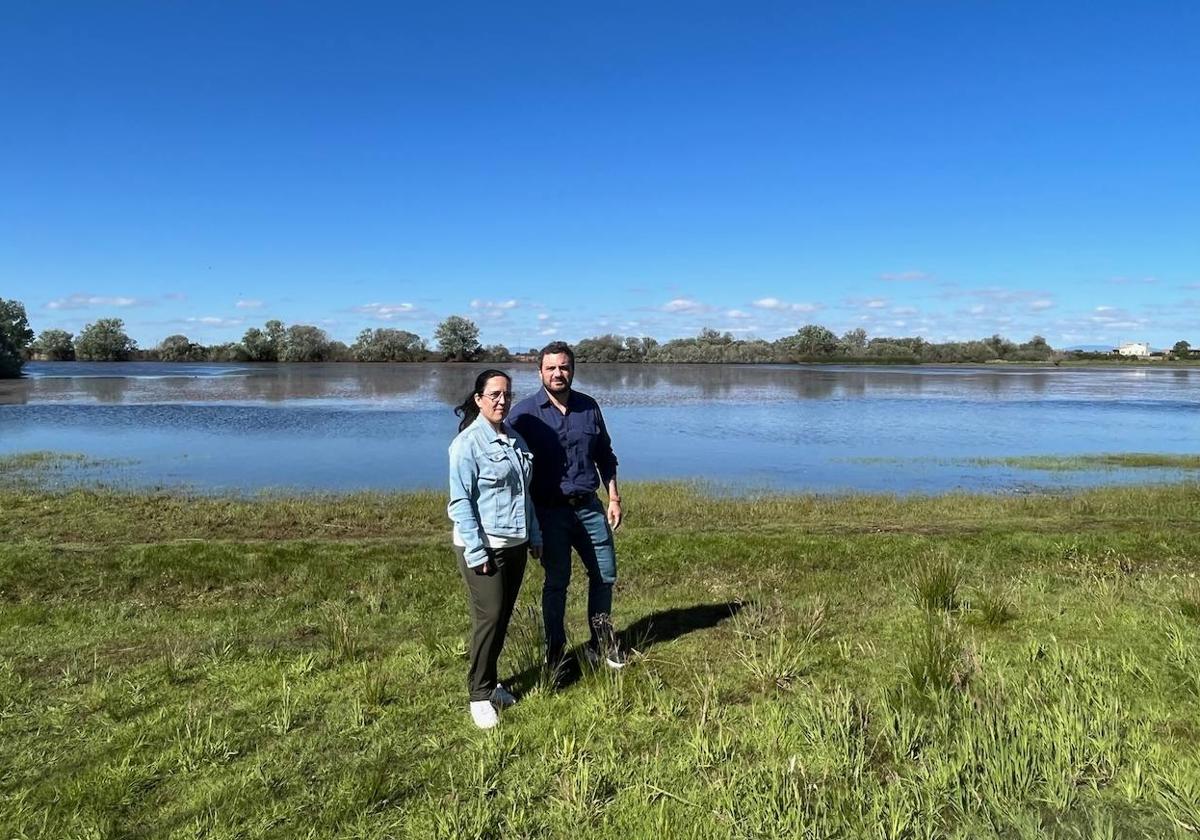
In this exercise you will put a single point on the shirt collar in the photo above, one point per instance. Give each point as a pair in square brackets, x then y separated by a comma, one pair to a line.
[572, 404]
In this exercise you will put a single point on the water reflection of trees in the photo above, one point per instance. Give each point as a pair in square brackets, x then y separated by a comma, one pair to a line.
[805, 382]
[104, 389]
[613, 384]
[452, 382]
[14, 393]
[715, 381]
[329, 381]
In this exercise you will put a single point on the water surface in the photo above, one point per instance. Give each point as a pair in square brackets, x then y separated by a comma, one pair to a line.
[825, 428]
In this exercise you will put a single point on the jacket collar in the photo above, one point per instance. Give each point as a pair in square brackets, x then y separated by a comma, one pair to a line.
[484, 429]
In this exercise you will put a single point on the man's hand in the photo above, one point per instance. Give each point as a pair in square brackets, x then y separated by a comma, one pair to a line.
[535, 551]
[614, 512]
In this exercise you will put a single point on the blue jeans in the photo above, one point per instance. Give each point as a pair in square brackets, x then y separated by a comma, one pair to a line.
[584, 528]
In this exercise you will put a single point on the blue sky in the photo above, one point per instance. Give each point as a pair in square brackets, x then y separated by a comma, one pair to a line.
[945, 169]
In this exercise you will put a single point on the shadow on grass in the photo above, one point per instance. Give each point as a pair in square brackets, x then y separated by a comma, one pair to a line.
[641, 636]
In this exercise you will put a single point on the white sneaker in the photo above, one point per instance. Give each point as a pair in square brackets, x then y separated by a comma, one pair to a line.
[484, 714]
[614, 657]
[502, 697]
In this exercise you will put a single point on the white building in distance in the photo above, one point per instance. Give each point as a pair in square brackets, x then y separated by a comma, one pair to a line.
[1134, 348]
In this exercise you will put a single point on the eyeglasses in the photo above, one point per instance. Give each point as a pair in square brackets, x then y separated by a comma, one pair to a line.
[494, 396]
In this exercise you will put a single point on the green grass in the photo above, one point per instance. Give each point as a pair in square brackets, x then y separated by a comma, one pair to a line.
[38, 461]
[863, 666]
[1056, 463]
[1109, 461]
[49, 470]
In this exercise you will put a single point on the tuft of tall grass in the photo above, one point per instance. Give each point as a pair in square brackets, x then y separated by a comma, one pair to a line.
[582, 786]
[201, 741]
[813, 620]
[341, 637]
[1183, 654]
[176, 661]
[994, 607]
[1189, 599]
[1178, 792]
[937, 581]
[938, 659]
[376, 686]
[376, 593]
[776, 661]
[1109, 564]
[283, 715]
[525, 651]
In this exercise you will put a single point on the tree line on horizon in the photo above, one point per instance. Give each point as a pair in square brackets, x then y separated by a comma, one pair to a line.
[457, 339]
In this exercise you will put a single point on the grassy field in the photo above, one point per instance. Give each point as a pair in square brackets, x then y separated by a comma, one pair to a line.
[958, 666]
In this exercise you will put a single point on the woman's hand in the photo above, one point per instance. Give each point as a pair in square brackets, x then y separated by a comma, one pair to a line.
[535, 551]
[484, 568]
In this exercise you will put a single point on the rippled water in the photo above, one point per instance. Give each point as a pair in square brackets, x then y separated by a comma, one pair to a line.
[825, 428]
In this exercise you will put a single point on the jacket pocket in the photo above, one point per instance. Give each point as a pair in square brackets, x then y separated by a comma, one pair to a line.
[494, 469]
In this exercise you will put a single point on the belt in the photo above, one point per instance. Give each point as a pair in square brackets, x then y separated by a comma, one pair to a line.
[573, 500]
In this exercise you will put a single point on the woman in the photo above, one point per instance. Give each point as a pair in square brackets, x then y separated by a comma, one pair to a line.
[494, 526]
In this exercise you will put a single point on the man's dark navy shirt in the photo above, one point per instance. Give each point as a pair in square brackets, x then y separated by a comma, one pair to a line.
[568, 449]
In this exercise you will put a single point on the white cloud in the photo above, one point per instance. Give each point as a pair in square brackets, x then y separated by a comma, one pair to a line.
[543, 316]
[1041, 304]
[684, 304]
[386, 311]
[778, 305]
[213, 321]
[904, 276]
[904, 310]
[738, 314]
[1122, 281]
[977, 309]
[493, 305]
[249, 304]
[876, 303]
[1000, 295]
[92, 301]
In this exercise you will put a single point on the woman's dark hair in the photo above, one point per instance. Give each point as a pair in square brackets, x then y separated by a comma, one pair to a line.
[468, 411]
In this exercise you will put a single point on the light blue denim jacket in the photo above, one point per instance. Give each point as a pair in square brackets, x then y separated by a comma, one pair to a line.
[489, 489]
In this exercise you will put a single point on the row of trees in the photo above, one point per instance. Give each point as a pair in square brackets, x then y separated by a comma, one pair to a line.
[810, 343]
[106, 341]
[457, 339]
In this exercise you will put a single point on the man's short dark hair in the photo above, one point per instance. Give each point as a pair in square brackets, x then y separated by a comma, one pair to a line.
[553, 349]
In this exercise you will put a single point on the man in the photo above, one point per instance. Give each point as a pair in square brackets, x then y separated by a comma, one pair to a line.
[572, 457]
